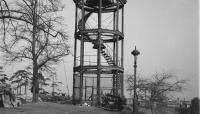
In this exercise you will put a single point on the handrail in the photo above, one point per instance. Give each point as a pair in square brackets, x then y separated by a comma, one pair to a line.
[86, 55]
[89, 60]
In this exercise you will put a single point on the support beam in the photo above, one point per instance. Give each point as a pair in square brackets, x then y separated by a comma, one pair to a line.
[117, 50]
[122, 55]
[82, 54]
[99, 56]
[85, 88]
[75, 50]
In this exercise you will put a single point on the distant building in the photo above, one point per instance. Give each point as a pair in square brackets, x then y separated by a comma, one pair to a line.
[173, 103]
[185, 104]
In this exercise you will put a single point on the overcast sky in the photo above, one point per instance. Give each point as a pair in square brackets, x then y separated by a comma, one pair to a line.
[166, 34]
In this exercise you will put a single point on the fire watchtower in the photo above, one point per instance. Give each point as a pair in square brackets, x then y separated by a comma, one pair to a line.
[98, 49]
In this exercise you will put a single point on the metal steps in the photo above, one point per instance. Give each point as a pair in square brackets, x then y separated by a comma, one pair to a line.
[107, 57]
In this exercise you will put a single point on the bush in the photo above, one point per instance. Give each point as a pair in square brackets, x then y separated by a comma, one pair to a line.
[56, 99]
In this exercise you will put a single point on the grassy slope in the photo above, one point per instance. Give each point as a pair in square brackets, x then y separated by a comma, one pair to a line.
[53, 108]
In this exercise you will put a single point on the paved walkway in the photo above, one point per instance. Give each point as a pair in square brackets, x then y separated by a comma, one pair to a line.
[53, 108]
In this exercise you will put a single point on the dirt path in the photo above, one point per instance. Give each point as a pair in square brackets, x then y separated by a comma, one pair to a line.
[53, 108]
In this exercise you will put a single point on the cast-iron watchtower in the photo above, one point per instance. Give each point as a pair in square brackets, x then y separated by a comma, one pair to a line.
[98, 49]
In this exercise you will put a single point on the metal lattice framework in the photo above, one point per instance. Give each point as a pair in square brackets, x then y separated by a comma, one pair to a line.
[98, 49]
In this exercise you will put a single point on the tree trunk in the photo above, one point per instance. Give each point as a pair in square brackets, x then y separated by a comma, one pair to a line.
[17, 88]
[25, 89]
[35, 83]
[53, 87]
[35, 70]
[20, 89]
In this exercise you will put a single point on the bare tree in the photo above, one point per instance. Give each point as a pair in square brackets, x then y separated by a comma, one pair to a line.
[163, 83]
[157, 88]
[33, 31]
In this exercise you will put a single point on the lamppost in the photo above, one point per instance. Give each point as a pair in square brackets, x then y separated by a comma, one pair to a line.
[135, 53]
